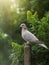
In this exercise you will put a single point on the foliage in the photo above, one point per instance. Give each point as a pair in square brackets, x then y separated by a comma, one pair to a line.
[5, 46]
[17, 54]
[41, 6]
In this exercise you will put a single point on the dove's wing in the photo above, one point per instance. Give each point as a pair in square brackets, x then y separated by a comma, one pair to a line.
[28, 36]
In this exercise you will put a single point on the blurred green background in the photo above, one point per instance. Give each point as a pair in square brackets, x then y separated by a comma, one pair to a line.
[35, 14]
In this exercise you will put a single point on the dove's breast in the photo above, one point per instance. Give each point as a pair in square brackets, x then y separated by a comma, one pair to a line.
[28, 36]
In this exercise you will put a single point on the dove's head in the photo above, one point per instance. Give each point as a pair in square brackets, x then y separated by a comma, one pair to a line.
[23, 26]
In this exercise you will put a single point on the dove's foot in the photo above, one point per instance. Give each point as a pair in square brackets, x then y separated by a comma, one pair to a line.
[27, 42]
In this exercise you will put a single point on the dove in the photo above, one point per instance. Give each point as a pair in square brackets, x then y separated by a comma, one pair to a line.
[30, 37]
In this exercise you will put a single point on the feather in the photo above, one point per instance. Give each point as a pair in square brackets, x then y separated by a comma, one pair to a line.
[43, 45]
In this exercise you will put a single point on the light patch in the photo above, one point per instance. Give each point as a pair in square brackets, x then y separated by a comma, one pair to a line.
[12, 0]
[13, 6]
[5, 35]
[18, 10]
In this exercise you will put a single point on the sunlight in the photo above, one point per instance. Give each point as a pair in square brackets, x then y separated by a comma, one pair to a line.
[14, 4]
[5, 35]
[12, 0]
[17, 10]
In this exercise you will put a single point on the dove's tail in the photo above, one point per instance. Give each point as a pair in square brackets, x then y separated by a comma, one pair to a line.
[43, 45]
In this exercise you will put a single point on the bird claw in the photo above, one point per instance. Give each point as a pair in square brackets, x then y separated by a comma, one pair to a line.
[27, 42]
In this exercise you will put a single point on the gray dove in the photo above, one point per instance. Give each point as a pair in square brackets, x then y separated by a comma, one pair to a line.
[29, 37]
